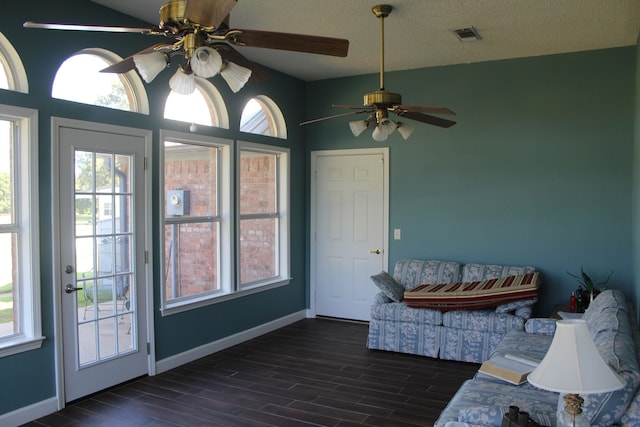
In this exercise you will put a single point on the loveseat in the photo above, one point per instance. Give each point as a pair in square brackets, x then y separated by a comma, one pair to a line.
[612, 322]
[463, 335]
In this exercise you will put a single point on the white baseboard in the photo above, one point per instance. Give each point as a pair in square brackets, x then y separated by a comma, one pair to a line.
[213, 347]
[29, 413]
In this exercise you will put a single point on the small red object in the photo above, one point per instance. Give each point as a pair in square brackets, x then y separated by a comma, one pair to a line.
[572, 302]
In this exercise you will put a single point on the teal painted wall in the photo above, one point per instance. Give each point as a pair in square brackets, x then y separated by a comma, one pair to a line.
[42, 52]
[537, 171]
[636, 183]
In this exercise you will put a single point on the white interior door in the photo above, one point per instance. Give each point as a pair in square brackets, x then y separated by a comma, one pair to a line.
[102, 274]
[350, 219]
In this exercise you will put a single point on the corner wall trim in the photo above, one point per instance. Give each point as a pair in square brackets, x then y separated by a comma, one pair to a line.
[215, 346]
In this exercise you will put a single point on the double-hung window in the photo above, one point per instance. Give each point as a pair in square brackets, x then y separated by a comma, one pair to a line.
[20, 322]
[263, 220]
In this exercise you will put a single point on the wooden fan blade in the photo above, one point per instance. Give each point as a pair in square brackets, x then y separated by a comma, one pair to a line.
[425, 109]
[127, 64]
[228, 53]
[425, 118]
[85, 27]
[351, 107]
[208, 13]
[287, 41]
[351, 113]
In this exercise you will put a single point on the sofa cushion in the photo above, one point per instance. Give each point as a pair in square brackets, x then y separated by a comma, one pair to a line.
[492, 416]
[389, 286]
[477, 392]
[526, 304]
[474, 272]
[413, 272]
[482, 320]
[400, 312]
[474, 295]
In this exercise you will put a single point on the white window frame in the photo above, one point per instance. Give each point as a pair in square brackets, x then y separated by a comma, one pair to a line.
[283, 191]
[225, 206]
[25, 193]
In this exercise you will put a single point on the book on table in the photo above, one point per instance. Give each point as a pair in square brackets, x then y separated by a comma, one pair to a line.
[507, 369]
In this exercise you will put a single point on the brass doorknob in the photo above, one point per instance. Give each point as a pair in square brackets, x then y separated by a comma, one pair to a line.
[375, 251]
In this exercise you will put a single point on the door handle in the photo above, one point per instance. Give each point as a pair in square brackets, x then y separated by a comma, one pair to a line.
[376, 251]
[70, 289]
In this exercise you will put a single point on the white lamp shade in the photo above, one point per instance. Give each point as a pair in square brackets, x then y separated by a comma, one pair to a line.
[405, 130]
[149, 65]
[183, 82]
[358, 126]
[384, 129]
[235, 75]
[206, 62]
[573, 364]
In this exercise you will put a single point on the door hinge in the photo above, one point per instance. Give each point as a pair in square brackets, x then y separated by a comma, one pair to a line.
[146, 163]
[146, 257]
[148, 348]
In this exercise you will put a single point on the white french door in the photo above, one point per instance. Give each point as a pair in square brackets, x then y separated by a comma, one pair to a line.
[102, 277]
[349, 225]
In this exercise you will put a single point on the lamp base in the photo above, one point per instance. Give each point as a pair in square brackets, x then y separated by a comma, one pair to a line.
[572, 416]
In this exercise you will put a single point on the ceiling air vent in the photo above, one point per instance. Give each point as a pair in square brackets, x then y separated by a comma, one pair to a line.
[467, 34]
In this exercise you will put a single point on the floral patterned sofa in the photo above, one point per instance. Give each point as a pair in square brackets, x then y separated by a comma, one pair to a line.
[463, 335]
[483, 400]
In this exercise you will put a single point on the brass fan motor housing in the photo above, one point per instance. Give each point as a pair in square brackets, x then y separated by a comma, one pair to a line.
[382, 98]
[172, 14]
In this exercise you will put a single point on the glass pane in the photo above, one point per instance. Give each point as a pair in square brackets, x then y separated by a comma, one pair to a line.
[84, 215]
[86, 343]
[107, 345]
[190, 180]
[9, 315]
[6, 172]
[191, 259]
[122, 174]
[79, 79]
[84, 171]
[258, 249]
[257, 183]
[85, 267]
[104, 173]
[256, 119]
[192, 108]
[125, 337]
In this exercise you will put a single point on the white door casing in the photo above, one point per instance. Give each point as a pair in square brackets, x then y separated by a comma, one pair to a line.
[101, 238]
[349, 226]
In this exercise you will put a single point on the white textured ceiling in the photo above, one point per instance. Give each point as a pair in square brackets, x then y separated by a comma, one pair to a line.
[418, 33]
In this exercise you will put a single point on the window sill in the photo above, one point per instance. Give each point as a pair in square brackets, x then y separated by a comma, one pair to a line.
[176, 308]
[20, 345]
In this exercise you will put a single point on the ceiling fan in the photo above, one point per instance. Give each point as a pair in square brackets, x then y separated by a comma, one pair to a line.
[380, 103]
[202, 35]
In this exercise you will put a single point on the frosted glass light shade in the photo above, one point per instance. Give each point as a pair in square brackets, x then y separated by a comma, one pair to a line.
[405, 130]
[358, 126]
[384, 129]
[235, 75]
[149, 65]
[183, 82]
[206, 62]
[573, 364]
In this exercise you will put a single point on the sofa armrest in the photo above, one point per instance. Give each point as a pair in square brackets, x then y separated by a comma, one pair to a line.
[381, 298]
[492, 416]
[540, 325]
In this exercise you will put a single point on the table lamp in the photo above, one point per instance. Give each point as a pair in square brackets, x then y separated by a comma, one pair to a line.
[573, 365]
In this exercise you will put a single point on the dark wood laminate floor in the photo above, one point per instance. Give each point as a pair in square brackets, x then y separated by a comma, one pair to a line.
[316, 372]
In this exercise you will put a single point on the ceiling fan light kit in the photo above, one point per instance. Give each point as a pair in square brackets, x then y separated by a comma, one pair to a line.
[202, 35]
[380, 103]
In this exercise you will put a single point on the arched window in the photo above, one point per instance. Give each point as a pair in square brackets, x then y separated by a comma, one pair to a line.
[12, 73]
[262, 116]
[204, 106]
[79, 79]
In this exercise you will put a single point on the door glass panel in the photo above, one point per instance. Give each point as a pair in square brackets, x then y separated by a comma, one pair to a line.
[103, 256]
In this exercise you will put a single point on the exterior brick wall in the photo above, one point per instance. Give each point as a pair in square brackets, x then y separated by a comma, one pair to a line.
[192, 259]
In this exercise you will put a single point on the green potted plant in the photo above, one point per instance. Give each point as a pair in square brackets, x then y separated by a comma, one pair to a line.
[588, 289]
